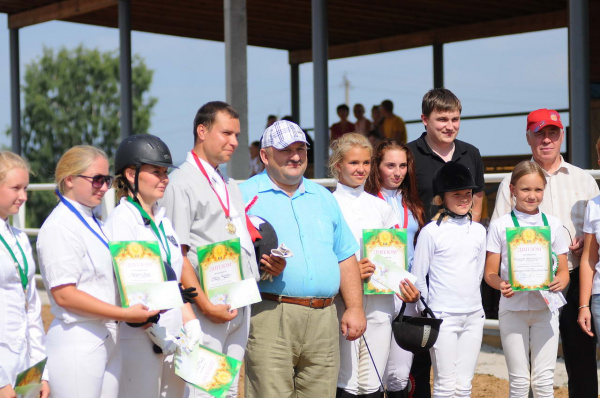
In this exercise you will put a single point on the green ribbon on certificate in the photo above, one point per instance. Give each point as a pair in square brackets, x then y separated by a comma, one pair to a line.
[22, 272]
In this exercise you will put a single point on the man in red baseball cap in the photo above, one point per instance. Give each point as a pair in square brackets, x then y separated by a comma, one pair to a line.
[567, 191]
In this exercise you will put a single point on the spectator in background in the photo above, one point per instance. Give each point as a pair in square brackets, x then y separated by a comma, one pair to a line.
[271, 119]
[363, 125]
[393, 127]
[343, 126]
[376, 120]
[373, 138]
[256, 167]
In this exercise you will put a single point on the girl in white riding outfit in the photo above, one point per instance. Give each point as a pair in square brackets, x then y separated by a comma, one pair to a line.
[451, 250]
[350, 164]
[393, 179]
[141, 165]
[21, 331]
[82, 342]
[528, 319]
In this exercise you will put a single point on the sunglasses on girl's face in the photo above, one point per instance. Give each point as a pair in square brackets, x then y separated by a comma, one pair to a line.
[98, 180]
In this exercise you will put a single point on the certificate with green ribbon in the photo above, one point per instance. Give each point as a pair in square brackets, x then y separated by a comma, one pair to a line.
[29, 381]
[529, 258]
[221, 276]
[141, 276]
[207, 370]
[386, 249]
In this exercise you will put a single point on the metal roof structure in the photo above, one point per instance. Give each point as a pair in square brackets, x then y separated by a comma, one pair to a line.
[329, 29]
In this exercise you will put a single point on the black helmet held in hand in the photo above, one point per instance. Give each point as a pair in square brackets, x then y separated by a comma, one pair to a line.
[416, 334]
[451, 177]
[137, 150]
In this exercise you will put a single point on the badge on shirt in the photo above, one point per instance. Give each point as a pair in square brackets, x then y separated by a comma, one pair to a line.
[173, 240]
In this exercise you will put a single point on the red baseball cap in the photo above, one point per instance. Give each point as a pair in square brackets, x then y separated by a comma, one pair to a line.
[541, 118]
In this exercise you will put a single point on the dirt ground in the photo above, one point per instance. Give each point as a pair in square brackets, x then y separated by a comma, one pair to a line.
[484, 386]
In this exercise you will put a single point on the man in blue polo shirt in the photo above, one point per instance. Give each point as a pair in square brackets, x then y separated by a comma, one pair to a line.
[293, 347]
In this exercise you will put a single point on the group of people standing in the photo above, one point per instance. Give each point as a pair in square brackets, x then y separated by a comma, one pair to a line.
[314, 334]
[384, 124]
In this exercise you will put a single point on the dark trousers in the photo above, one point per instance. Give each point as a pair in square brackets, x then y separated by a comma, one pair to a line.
[579, 349]
[421, 372]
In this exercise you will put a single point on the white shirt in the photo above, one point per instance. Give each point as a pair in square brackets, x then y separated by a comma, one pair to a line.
[21, 328]
[69, 253]
[496, 243]
[591, 225]
[125, 223]
[567, 191]
[362, 210]
[453, 254]
[218, 182]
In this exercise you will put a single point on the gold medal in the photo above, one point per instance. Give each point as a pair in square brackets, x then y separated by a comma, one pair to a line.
[230, 228]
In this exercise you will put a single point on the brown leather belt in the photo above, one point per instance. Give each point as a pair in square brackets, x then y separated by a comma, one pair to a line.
[312, 302]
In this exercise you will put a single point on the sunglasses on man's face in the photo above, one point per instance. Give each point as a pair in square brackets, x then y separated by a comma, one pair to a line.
[98, 180]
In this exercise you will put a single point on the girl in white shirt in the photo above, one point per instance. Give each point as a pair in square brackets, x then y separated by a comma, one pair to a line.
[528, 319]
[21, 330]
[141, 165]
[589, 277]
[393, 179]
[82, 342]
[350, 164]
[451, 250]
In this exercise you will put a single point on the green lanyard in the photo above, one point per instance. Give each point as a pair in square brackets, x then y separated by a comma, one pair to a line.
[545, 220]
[22, 273]
[516, 222]
[156, 231]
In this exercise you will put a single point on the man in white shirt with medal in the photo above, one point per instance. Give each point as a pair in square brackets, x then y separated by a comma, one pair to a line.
[205, 207]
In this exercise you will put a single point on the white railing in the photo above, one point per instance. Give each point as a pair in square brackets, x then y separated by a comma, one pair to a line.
[108, 203]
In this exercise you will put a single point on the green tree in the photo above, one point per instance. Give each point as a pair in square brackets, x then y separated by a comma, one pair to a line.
[72, 97]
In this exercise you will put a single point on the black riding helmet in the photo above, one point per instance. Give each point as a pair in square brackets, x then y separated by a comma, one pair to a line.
[137, 150]
[451, 177]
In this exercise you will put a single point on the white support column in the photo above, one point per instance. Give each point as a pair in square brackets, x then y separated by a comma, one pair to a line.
[236, 80]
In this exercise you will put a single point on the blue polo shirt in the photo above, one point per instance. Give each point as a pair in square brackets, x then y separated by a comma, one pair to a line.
[311, 224]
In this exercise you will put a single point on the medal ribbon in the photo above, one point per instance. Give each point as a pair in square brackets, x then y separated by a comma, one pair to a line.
[156, 230]
[516, 222]
[22, 272]
[74, 211]
[405, 221]
[225, 209]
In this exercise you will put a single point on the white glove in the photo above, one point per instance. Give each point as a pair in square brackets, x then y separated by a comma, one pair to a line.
[193, 332]
[159, 336]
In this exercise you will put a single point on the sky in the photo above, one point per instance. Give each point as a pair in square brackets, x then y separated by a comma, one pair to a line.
[517, 73]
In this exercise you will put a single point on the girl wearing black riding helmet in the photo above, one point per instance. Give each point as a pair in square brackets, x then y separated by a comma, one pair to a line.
[451, 250]
[141, 165]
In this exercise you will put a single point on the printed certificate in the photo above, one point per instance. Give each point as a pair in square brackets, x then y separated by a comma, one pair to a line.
[529, 258]
[141, 276]
[221, 277]
[29, 381]
[386, 249]
[207, 370]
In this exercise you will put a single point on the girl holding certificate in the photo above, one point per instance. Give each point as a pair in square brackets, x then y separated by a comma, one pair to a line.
[451, 250]
[519, 246]
[141, 165]
[21, 329]
[82, 342]
[350, 164]
[393, 179]
[589, 277]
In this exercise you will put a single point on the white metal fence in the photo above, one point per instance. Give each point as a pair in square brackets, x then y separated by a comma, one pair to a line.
[109, 203]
